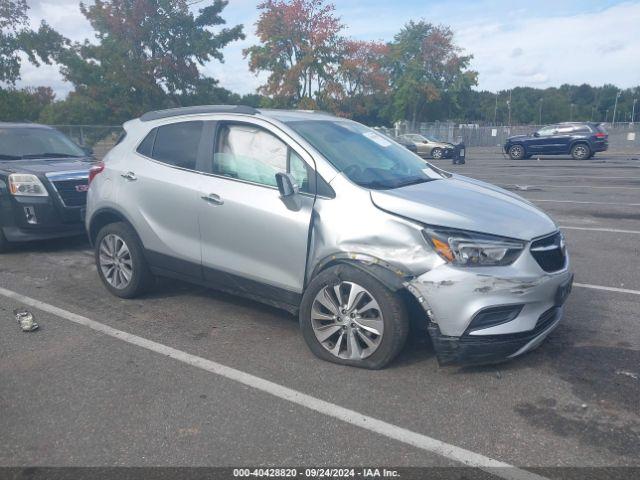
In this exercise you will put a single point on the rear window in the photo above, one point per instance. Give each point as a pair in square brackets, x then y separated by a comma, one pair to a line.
[175, 144]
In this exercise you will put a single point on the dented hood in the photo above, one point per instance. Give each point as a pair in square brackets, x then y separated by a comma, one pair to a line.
[467, 204]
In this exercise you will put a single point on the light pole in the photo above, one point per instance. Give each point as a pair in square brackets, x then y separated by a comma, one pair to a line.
[606, 116]
[571, 112]
[593, 109]
[633, 111]
[615, 106]
[509, 107]
[495, 111]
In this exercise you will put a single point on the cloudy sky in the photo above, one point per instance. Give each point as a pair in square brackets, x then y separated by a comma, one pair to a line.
[526, 43]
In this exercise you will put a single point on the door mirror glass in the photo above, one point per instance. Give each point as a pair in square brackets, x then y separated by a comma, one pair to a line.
[287, 185]
[536, 134]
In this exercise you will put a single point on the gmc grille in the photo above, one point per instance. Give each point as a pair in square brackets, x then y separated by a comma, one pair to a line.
[549, 252]
[72, 192]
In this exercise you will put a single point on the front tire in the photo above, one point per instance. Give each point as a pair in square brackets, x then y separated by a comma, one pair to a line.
[120, 261]
[350, 318]
[436, 153]
[516, 152]
[581, 151]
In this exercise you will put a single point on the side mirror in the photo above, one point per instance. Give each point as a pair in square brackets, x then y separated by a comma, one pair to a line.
[287, 185]
[536, 134]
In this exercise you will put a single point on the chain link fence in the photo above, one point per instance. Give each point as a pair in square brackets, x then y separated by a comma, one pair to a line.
[623, 137]
[99, 137]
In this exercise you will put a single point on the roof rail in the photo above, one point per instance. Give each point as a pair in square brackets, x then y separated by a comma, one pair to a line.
[174, 112]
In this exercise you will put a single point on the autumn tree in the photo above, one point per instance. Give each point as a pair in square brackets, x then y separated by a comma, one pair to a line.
[299, 48]
[147, 55]
[426, 67]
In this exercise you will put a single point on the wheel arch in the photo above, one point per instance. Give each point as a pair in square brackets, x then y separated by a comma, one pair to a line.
[103, 217]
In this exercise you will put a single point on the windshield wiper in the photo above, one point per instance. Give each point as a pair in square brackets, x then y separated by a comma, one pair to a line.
[50, 155]
[414, 181]
[9, 157]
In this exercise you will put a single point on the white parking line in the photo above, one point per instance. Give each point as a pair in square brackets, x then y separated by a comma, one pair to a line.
[565, 186]
[608, 289]
[596, 177]
[583, 202]
[600, 229]
[418, 440]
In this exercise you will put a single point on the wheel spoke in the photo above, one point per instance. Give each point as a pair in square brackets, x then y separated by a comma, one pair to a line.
[324, 333]
[336, 348]
[354, 350]
[370, 343]
[327, 302]
[355, 294]
[373, 325]
[316, 315]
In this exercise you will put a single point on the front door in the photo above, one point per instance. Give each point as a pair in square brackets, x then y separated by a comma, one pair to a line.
[251, 238]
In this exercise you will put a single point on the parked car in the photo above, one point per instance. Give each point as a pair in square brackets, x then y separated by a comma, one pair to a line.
[429, 147]
[325, 217]
[43, 184]
[581, 140]
[406, 144]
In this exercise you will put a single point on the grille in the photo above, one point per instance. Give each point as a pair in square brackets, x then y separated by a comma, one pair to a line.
[67, 190]
[549, 252]
[546, 319]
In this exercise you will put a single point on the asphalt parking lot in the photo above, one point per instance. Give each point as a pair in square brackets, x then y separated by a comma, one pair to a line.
[74, 395]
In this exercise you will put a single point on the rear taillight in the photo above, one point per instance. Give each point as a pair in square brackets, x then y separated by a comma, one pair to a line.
[601, 135]
[95, 170]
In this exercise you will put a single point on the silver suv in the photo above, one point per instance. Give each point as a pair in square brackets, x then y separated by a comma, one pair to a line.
[325, 217]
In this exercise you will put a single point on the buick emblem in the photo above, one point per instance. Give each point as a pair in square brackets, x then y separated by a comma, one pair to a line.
[82, 188]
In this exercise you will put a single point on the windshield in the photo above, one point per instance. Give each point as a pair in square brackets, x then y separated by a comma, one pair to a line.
[21, 143]
[362, 154]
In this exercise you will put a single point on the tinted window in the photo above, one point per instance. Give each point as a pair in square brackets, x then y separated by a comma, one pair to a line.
[18, 143]
[582, 129]
[177, 144]
[249, 153]
[146, 147]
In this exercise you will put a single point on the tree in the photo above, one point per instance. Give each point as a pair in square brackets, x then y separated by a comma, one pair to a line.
[147, 55]
[299, 47]
[25, 104]
[426, 67]
[16, 38]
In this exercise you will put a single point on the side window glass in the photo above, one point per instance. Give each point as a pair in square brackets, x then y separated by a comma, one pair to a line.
[564, 130]
[249, 153]
[177, 144]
[546, 131]
[145, 148]
[300, 171]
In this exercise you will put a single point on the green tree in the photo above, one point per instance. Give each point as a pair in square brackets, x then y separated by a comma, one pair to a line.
[147, 55]
[16, 37]
[427, 67]
[25, 104]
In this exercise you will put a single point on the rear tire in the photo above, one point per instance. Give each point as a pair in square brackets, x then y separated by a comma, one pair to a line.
[120, 261]
[580, 151]
[436, 153]
[516, 152]
[376, 322]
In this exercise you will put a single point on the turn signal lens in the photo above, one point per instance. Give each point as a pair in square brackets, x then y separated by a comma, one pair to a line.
[443, 249]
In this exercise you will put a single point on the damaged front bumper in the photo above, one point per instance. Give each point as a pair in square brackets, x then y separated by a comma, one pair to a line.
[529, 300]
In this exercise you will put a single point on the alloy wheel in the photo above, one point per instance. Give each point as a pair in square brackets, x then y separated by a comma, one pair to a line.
[436, 153]
[517, 152]
[347, 321]
[115, 261]
[580, 151]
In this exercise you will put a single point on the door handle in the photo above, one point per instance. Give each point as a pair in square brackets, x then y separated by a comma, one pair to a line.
[213, 199]
[129, 176]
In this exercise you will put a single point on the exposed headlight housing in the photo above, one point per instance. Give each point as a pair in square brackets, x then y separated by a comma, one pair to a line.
[471, 249]
[26, 185]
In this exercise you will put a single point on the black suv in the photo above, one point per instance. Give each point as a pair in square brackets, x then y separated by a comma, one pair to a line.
[580, 139]
[43, 184]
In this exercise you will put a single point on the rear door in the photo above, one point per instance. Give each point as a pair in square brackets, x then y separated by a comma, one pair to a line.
[251, 238]
[160, 186]
[544, 142]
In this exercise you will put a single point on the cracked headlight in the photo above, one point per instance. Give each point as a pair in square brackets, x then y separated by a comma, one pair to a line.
[26, 185]
[472, 249]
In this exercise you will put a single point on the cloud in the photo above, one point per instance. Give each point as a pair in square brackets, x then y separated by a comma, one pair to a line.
[541, 43]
